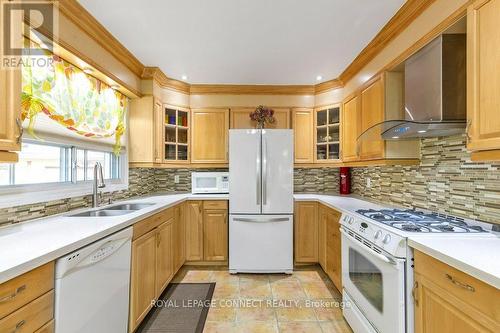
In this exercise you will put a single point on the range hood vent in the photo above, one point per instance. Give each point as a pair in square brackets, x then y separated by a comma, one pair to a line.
[434, 93]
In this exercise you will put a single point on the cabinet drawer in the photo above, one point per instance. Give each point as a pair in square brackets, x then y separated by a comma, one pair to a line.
[149, 223]
[30, 317]
[23, 289]
[477, 294]
[216, 204]
[47, 328]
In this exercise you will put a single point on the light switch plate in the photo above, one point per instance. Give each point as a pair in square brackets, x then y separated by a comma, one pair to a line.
[176, 179]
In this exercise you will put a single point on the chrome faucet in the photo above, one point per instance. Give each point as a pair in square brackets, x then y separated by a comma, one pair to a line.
[98, 183]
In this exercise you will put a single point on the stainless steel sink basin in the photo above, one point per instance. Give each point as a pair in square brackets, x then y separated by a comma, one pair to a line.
[131, 206]
[102, 213]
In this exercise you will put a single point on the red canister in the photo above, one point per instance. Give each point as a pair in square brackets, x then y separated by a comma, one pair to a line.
[345, 180]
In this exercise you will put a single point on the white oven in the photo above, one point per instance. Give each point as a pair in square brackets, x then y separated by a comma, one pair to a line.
[209, 182]
[374, 283]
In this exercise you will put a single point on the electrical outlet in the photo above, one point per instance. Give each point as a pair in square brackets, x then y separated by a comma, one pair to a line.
[176, 179]
[368, 182]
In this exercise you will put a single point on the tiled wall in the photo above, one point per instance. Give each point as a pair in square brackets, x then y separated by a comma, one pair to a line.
[144, 181]
[446, 181]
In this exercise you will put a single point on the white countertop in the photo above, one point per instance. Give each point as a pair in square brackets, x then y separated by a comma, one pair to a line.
[475, 256]
[28, 245]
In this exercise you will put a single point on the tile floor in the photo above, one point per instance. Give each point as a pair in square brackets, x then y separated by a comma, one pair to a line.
[306, 301]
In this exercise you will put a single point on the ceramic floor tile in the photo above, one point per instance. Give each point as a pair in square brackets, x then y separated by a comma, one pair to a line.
[327, 309]
[219, 327]
[299, 327]
[226, 290]
[257, 327]
[224, 276]
[197, 276]
[255, 290]
[286, 290]
[295, 313]
[221, 313]
[259, 311]
[308, 276]
[339, 326]
[282, 278]
[254, 277]
[316, 290]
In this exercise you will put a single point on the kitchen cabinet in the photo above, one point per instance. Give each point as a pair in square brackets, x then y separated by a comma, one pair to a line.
[175, 130]
[306, 232]
[179, 236]
[164, 255]
[448, 300]
[483, 78]
[145, 130]
[207, 231]
[215, 234]
[209, 135]
[142, 278]
[350, 128]
[303, 124]
[322, 220]
[372, 113]
[327, 134]
[240, 118]
[10, 109]
[332, 248]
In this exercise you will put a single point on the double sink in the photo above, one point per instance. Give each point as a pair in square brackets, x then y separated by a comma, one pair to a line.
[117, 210]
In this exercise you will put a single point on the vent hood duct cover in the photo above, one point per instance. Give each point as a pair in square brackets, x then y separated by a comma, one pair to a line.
[434, 93]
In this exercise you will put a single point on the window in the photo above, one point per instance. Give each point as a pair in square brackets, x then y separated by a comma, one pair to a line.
[45, 163]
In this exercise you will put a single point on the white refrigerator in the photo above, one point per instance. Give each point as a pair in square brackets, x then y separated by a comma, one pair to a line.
[260, 201]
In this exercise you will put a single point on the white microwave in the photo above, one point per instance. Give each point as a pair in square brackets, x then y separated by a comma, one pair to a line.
[209, 182]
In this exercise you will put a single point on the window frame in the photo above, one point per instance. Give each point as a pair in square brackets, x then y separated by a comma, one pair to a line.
[23, 194]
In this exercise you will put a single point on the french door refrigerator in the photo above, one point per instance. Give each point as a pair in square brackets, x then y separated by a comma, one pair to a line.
[260, 201]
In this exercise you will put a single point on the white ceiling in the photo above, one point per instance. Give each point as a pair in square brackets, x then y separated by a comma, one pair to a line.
[245, 41]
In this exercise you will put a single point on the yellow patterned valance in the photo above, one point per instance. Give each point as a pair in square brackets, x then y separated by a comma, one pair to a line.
[72, 98]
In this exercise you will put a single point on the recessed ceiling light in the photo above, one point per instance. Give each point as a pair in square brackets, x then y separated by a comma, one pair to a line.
[184, 77]
[88, 70]
[319, 78]
[395, 137]
[422, 131]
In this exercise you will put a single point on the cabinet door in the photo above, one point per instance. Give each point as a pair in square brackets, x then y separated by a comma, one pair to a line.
[333, 249]
[215, 233]
[306, 232]
[179, 243]
[164, 256]
[210, 130]
[303, 128]
[350, 126]
[322, 217]
[437, 314]
[194, 231]
[159, 131]
[483, 75]
[240, 118]
[142, 281]
[10, 108]
[372, 112]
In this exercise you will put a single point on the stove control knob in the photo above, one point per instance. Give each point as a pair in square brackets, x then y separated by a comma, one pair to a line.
[378, 234]
[387, 239]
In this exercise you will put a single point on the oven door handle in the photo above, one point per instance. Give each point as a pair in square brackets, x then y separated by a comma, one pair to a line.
[368, 250]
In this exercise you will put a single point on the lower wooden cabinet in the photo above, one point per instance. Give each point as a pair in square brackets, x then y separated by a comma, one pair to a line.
[333, 258]
[447, 300]
[207, 231]
[164, 255]
[322, 218]
[179, 236]
[306, 232]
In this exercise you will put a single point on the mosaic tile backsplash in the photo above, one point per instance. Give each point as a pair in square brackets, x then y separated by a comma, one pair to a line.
[446, 181]
[144, 181]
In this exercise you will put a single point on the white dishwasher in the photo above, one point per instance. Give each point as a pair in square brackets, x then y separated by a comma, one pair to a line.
[92, 287]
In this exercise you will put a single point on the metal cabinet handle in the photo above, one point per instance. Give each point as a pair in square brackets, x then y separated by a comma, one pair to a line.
[19, 325]
[414, 293]
[460, 284]
[21, 130]
[14, 294]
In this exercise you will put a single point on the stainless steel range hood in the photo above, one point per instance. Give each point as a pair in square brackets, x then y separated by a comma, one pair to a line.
[434, 92]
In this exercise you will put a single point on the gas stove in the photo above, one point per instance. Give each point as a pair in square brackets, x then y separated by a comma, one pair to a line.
[418, 221]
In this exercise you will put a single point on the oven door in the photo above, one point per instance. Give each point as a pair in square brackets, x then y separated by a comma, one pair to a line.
[375, 282]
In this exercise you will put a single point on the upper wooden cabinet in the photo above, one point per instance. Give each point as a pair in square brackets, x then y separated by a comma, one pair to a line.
[350, 128]
[483, 75]
[327, 134]
[10, 109]
[240, 118]
[209, 135]
[175, 122]
[303, 124]
[372, 113]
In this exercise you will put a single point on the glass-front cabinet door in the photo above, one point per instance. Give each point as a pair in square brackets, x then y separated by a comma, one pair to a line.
[176, 134]
[327, 140]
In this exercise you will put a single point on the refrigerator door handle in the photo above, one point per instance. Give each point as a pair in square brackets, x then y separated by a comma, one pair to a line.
[264, 171]
[275, 219]
[258, 177]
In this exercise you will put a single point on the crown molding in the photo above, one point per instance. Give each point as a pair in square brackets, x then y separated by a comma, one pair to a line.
[156, 74]
[328, 85]
[78, 15]
[250, 89]
[402, 19]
